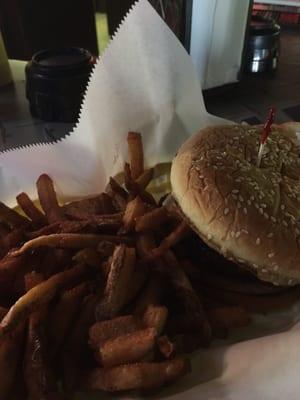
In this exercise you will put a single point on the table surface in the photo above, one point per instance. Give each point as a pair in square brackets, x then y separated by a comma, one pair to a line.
[17, 126]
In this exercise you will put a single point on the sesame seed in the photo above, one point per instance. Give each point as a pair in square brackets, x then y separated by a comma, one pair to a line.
[232, 233]
[239, 205]
[245, 210]
[226, 211]
[275, 268]
[249, 202]
[270, 235]
[273, 219]
[263, 205]
[261, 211]
[264, 271]
[266, 215]
[290, 281]
[252, 198]
[235, 191]
[238, 234]
[282, 206]
[271, 255]
[241, 198]
[285, 224]
[209, 236]
[258, 241]
[255, 266]
[297, 231]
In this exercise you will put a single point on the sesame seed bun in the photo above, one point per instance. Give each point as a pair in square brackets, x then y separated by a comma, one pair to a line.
[248, 214]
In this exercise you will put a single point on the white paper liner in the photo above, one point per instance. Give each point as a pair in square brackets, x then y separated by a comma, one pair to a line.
[146, 82]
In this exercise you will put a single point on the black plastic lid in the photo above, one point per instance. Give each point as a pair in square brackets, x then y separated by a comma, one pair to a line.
[56, 81]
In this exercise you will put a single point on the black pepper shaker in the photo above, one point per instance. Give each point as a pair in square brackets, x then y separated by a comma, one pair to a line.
[56, 81]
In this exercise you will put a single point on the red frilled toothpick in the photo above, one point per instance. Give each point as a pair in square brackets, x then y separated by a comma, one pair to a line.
[265, 134]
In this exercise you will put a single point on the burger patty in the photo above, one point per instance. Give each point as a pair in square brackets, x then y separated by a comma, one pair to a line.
[217, 272]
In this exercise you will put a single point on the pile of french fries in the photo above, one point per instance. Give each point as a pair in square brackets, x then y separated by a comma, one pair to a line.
[94, 294]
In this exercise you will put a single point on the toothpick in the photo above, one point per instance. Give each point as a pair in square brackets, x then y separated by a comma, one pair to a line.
[265, 134]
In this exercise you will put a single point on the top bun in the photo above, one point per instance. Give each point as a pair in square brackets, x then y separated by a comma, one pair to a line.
[250, 215]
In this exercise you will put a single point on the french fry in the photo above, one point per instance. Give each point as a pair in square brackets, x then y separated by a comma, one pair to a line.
[29, 208]
[145, 243]
[136, 376]
[107, 204]
[12, 218]
[137, 283]
[4, 229]
[69, 241]
[117, 189]
[166, 347]
[105, 249]
[39, 377]
[102, 331]
[127, 348]
[144, 179]
[156, 317]
[63, 314]
[134, 209]
[135, 189]
[77, 214]
[74, 226]
[76, 345]
[91, 206]
[48, 199]
[151, 220]
[116, 292]
[10, 353]
[184, 290]
[169, 241]
[151, 295]
[10, 267]
[40, 295]
[55, 261]
[88, 256]
[12, 239]
[45, 230]
[136, 154]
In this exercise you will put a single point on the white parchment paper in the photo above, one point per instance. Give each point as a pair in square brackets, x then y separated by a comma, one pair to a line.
[146, 82]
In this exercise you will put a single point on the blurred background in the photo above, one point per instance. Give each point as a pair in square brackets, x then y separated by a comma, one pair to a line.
[246, 52]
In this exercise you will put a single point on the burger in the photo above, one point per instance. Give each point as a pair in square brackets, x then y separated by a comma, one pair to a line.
[246, 215]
